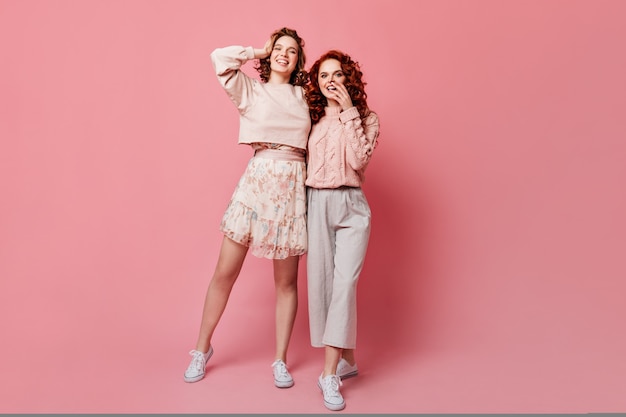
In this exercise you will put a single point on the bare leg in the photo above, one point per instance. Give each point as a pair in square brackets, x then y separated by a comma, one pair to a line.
[331, 359]
[229, 264]
[348, 355]
[286, 283]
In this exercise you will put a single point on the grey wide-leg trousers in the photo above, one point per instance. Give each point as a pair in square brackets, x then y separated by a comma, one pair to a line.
[338, 226]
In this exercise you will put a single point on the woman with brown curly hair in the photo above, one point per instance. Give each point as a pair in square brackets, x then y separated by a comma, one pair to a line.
[343, 137]
[267, 211]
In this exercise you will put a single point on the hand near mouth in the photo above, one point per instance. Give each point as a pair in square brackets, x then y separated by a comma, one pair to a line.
[339, 93]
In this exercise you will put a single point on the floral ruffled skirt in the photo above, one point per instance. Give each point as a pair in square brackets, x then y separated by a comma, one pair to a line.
[267, 211]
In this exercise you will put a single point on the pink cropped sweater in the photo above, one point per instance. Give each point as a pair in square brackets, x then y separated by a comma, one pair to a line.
[340, 147]
[270, 113]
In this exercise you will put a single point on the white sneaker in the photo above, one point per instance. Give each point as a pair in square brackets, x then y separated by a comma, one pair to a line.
[282, 377]
[333, 400]
[195, 371]
[345, 370]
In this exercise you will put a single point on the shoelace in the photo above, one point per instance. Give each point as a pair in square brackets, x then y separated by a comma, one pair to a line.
[198, 360]
[280, 368]
[331, 385]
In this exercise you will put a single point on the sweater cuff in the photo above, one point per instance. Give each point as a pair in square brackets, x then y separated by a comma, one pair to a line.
[249, 51]
[350, 114]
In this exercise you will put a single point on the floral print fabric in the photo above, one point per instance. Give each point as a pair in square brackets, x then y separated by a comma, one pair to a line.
[267, 211]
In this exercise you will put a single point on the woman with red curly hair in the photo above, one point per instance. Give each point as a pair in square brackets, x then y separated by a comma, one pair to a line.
[343, 136]
[267, 212]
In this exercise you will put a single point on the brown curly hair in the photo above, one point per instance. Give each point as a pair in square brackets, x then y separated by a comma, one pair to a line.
[354, 84]
[298, 76]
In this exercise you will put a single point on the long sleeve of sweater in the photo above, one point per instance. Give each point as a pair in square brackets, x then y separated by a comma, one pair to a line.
[340, 148]
[361, 137]
[227, 63]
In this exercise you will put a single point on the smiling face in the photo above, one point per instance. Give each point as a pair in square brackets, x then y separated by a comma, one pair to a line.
[284, 56]
[330, 73]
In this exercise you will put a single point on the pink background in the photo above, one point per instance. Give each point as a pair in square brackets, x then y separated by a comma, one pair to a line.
[495, 279]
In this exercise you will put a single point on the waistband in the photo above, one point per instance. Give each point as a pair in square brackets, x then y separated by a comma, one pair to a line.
[340, 188]
[279, 154]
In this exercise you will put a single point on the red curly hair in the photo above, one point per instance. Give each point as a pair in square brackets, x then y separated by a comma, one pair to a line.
[298, 76]
[354, 84]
